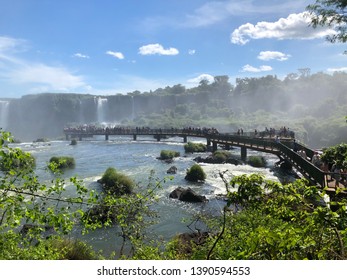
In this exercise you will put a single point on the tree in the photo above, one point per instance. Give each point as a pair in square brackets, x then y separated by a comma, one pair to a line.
[221, 86]
[336, 155]
[304, 72]
[177, 89]
[331, 13]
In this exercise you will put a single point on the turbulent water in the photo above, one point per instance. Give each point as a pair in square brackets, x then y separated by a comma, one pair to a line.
[137, 159]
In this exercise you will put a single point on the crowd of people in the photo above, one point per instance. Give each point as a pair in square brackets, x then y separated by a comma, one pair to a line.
[337, 174]
[283, 132]
[93, 129]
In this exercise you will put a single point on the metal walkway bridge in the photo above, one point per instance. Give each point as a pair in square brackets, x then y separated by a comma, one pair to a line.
[282, 147]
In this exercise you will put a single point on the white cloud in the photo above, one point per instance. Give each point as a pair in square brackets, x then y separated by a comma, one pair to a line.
[118, 55]
[341, 69]
[216, 11]
[249, 68]
[128, 83]
[54, 77]
[201, 77]
[295, 26]
[80, 55]
[269, 55]
[192, 52]
[152, 49]
[19, 71]
[10, 44]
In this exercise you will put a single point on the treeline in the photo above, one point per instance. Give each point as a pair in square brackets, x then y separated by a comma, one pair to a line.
[314, 105]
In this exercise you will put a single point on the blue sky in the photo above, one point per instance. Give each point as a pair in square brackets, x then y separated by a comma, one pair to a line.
[107, 47]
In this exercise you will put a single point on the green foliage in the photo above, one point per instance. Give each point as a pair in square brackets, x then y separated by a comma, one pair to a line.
[276, 222]
[61, 163]
[195, 173]
[73, 142]
[16, 247]
[168, 154]
[116, 183]
[256, 161]
[24, 200]
[221, 156]
[330, 13]
[16, 159]
[336, 155]
[191, 147]
[71, 249]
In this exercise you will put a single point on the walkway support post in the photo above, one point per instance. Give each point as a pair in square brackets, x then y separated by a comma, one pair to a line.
[185, 138]
[208, 143]
[106, 137]
[134, 137]
[214, 146]
[243, 153]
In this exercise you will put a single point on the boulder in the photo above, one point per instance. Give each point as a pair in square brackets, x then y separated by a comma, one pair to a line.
[214, 160]
[187, 195]
[172, 170]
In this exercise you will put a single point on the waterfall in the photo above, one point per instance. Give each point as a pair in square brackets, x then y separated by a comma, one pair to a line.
[4, 111]
[100, 109]
[132, 108]
[80, 111]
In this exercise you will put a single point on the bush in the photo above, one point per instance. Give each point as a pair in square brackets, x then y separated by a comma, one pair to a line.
[191, 147]
[40, 140]
[17, 160]
[62, 162]
[116, 183]
[336, 155]
[221, 156]
[74, 249]
[167, 154]
[73, 142]
[257, 161]
[195, 173]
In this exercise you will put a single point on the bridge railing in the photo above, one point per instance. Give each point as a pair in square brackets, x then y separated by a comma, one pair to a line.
[315, 174]
[246, 141]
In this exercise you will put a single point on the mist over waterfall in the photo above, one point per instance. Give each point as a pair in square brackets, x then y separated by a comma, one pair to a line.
[101, 109]
[4, 112]
[314, 107]
[132, 108]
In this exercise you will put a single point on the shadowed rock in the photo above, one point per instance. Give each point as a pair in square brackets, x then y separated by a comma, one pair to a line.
[172, 170]
[187, 195]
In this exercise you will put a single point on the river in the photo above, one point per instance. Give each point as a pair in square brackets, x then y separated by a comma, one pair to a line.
[136, 159]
